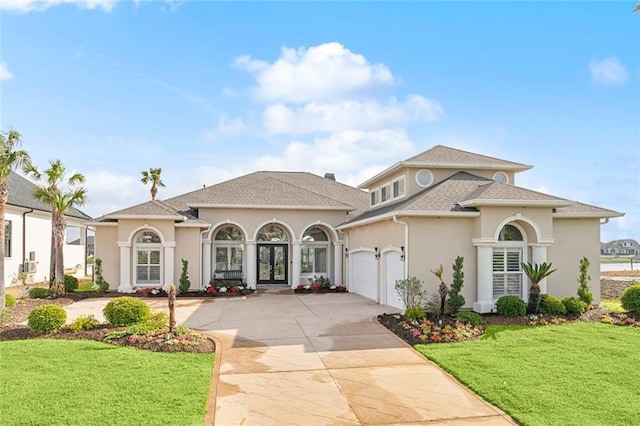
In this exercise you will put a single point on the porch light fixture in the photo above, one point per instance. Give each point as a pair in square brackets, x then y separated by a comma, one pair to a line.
[377, 252]
[346, 251]
[402, 253]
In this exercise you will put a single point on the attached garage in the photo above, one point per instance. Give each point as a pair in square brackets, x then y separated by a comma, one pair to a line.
[392, 270]
[364, 273]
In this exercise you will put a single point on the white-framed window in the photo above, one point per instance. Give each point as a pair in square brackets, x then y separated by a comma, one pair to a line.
[315, 252]
[501, 177]
[398, 188]
[507, 263]
[7, 238]
[148, 258]
[424, 178]
[228, 252]
[385, 194]
[374, 197]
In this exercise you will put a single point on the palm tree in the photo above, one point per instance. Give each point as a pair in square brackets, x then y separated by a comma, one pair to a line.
[59, 200]
[10, 159]
[536, 273]
[153, 177]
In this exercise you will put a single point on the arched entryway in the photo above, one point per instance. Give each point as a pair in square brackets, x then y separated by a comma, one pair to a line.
[272, 254]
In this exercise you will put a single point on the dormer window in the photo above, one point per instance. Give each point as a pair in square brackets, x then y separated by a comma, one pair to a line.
[374, 198]
[501, 177]
[398, 188]
[424, 178]
[384, 194]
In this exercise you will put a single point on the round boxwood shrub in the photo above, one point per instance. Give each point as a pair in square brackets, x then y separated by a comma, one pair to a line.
[574, 306]
[46, 318]
[38, 293]
[70, 283]
[469, 317]
[9, 301]
[551, 305]
[126, 310]
[631, 299]
[511, 306]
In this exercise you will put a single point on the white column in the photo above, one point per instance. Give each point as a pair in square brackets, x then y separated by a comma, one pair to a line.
[338, 258]
[296, 261]
[539, 255]
[206, 263]
[484, 303]
[169, 277]
[251, 264]
[125, 268]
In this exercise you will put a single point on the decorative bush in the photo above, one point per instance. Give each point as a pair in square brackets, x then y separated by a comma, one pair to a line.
[84, 322]
[46, 318]
[574, 306]
[551, 305]
[511, 306]
[410, 291]
[103, 286]
[468, 317]
[9, 301]
[152, 322]
[184, 277]
[414, 313]
[70, 283]
[631, 299]
[125, 311]
[38, 293]
[584, 293]
[456, 300]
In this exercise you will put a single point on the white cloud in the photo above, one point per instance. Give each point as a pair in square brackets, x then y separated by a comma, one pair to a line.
[349, 114]
[321, 73]
[609, 72]
[40, 5]
[5, 74]
[225, 127]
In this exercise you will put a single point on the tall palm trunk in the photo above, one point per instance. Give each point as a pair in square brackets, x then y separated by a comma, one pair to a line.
[52, 257]
[59, 227]
[154, 191]
[4, 196]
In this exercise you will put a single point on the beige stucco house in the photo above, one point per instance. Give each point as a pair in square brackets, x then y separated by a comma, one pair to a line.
[287, 227]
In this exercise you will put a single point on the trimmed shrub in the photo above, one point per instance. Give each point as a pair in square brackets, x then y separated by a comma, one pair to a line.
[84, 322]
[103, 286]
[511, 306]
[126, 310]
[184, 277]
[584, 293]
[9, 301]
[631, 299]
[46, 318]
[574, 306]
[469, 317]
[38, 293]
[456, 300]
[414, 313]
[551, 305]
[70, 283]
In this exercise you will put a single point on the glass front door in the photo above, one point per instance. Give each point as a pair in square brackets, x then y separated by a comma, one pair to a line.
[272, 264]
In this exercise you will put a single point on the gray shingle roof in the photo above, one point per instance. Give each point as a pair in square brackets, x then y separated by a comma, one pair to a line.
[21, 192]
[581, 209]
[272, 189]
[151, 209]
[443, 155]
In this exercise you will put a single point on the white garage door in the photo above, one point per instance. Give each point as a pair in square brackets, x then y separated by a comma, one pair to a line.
[392, 270]
[364, 274]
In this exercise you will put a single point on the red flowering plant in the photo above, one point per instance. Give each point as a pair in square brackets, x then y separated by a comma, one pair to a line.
[234, 289]
[315, 287]
[211, 290]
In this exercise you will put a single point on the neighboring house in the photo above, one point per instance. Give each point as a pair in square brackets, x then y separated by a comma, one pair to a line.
[287, 227]
[626, 247]
[28, 234]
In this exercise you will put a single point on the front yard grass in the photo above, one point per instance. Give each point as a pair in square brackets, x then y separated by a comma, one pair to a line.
[573, 374]
[81, 382]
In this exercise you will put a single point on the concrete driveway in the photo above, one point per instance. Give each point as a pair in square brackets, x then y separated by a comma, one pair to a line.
[319, 359]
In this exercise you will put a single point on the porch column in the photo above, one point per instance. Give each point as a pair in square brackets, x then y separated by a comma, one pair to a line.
[338, 258]
[169, 278]
[539, 255]
[125, 268]
[296, 261]
[206, 263]
[484, 303]
[251, 264]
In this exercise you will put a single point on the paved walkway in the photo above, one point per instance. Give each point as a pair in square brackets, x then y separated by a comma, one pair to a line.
[318, 359]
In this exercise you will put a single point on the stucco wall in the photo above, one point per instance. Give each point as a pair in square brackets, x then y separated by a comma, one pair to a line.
[188, 247]
[574, 238]
[106, 248]
[491, 218]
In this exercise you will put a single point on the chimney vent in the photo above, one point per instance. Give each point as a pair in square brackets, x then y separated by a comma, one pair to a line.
[331, 176]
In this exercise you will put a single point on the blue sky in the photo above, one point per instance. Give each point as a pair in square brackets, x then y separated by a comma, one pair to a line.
[213, 90]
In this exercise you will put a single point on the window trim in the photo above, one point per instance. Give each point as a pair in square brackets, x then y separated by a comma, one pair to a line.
[8, 238]
[421, 185]
[501, 173]
[148, 247]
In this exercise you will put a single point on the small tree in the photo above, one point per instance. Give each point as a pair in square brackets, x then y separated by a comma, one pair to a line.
[442, 289]
[456, 300]
[410, 291]
[584, 293]
[536, 273]
[184, 277]
[103, 286]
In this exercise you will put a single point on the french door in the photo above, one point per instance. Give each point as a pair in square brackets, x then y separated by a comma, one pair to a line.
[272, 263]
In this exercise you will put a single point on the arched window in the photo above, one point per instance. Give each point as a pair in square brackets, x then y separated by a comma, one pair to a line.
[507, 260]
[272, 233]
[148, 262]
[315, 252]
[229, 253]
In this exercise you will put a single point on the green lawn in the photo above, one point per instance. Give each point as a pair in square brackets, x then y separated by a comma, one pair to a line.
[613, 305]
[574, 374]
[78, 382]
[86, 287]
